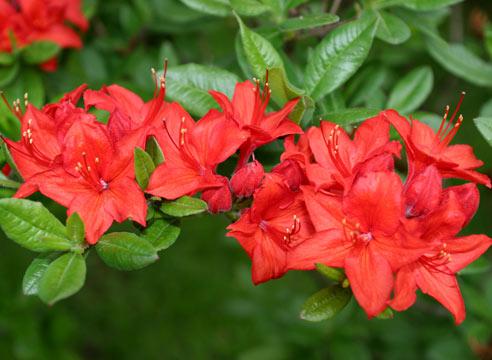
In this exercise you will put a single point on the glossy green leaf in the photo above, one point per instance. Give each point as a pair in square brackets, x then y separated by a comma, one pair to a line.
[211, 7]
[76, 229]
[349, 116]
[144, 167]
[62, 278]
[34, 273]
[260, 53]
[412, 90]
[326, 303]
[32, 226]
[189, 85]
[425, 5]
[126, 251]
[484, 125]
[184, 206]
[40, 51]
[162, 233]
[153, 148]
[308, 22]
[392, 29]
[249, 7]
[330, 272]
[460, 61]
[338, 56]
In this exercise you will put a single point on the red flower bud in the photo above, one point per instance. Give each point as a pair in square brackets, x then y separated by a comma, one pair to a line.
[245, 181]
[6, 170]
[218, 199]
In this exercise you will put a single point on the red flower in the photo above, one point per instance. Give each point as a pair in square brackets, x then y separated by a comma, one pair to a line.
[6, 170]
[192, 152]
[247, 179]
[247, 110]
[293, 162]
[425, 147]
[362, 233]
[274, 231]
[339, 160]
[129, 114]
[436, 216]
[96, 180]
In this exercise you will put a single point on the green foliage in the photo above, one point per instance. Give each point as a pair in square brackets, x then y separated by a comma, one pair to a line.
[144, 167]
[184, 206]
[126, 251]
[162, 233]
[326, 303]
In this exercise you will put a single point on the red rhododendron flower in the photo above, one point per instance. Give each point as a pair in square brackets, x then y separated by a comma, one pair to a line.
[274, 231]
[370, 243]
[36, 20]
[96, 180]
[247, 110]
[192, 152]
[444, 214]
[338, 160]
[425, 146]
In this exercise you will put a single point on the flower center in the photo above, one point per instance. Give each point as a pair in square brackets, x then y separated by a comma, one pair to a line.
[353, 233]
[91, 174]
[292, 230]
[333, 150]
[262, 97]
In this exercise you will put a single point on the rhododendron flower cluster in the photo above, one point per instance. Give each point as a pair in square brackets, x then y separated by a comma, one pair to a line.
[26, 21]
[335, 198]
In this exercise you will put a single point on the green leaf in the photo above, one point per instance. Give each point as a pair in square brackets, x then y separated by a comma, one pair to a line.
[424, 5]
[32, 226]
[326, 303]
[392, 29]
[189, 85]
[34, 273]
[260, 53]
[411, 91]
[308, 22]
[460, 61]
[211, 7]
[6, 58]
[126, 251]
[484, 125]
[386, 314]
[249, 7]
[153, 148]
[184, 206]
[63, 278]
[338, 56]
[162, 233]
[5, 182]
[40, 51]
[487, 38]
[330, 272]
[349, 116]
[144, 167]
[8, 73]
[76, 229]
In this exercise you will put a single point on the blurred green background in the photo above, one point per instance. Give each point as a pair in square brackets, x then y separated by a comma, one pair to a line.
[197, 301]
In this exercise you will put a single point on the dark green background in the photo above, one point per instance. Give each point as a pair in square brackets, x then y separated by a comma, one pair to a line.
[197, 301]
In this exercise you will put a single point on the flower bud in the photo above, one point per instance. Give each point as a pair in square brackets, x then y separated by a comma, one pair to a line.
[245, 181]
[218, 199]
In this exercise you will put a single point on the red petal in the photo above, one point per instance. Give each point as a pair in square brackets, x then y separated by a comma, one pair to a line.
[370, 278]
[375, 201]
[124, 200]
[324, 210]
[423, 192]
[218, 199]
[245, 231]
[465, 250]
[243, 102]
[444, 288]
[405, 288]
[269, 260]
